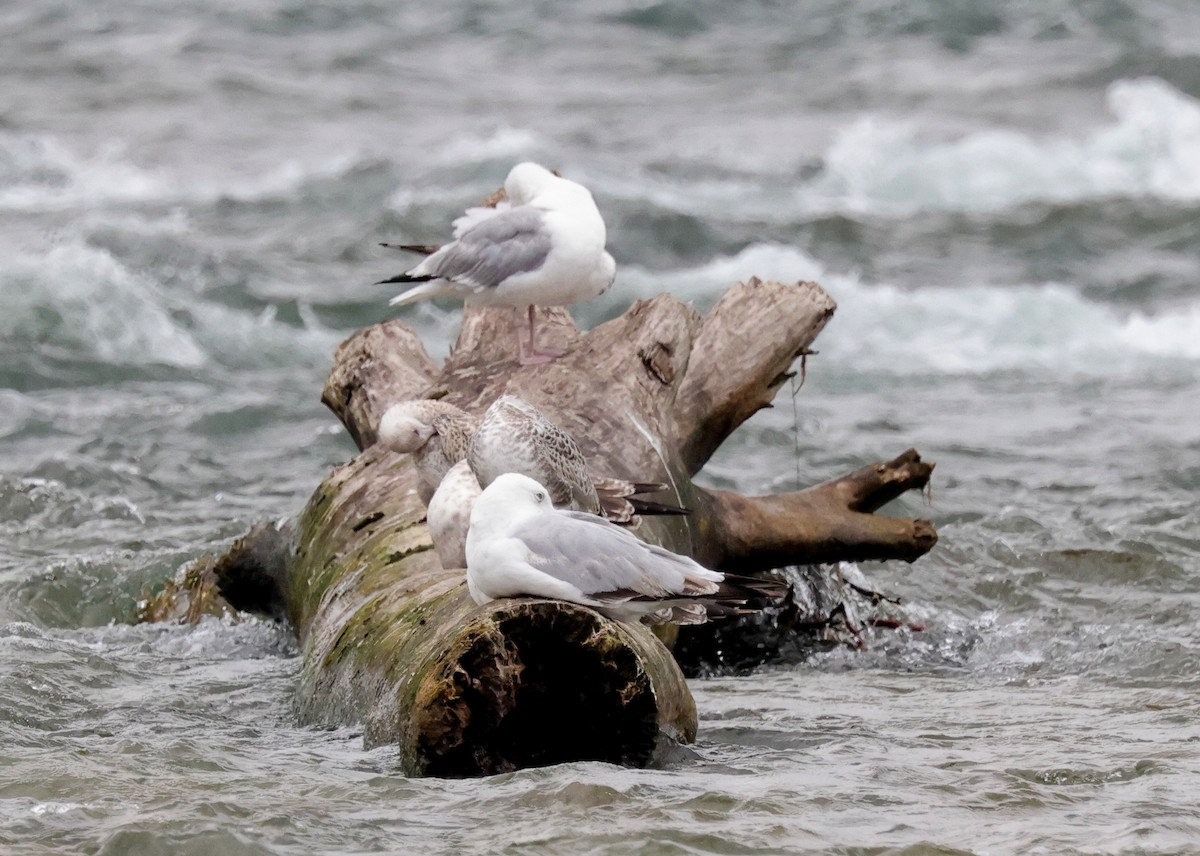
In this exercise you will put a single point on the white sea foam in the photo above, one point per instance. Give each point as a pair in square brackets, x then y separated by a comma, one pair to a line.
[1147, 146]
[81, 300]
[504, 143]
[282, 181]
[880, 327]
[246, 637]
[38, 173]
[1151, 148]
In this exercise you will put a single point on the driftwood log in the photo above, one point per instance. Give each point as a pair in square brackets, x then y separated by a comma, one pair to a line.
[391, 639]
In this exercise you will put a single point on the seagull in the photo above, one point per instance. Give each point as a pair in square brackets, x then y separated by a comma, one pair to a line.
[450, 514]
[435, 433]
[544, 248]
[518, 543]
[515, 437]
[440, 437]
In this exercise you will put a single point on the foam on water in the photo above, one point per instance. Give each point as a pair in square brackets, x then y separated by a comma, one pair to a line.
[1152, 148]
[285, 180]
[82, 302]
[506, 144]
[28, 505]
[39, 173]
[881, 166]
[1037, 328]
[211, 638]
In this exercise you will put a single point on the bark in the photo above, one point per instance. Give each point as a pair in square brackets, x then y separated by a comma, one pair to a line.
[391, 639]
[251, 576]
[829, 522]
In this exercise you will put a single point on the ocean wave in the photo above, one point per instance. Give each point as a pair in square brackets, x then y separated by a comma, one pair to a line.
[887, 168]
[37, 172]
[879, 327]
[33, 504]
[81, 303]
[505, 144]
[84, 301]
[1151, 149]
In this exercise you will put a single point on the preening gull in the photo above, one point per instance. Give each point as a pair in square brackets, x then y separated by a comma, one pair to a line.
[450, 514]
[518, 438]
[515, 437]
[518, 543]
[435, 433]
[544, 248]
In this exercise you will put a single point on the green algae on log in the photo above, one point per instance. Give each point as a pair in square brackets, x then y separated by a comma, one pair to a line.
[390, 638]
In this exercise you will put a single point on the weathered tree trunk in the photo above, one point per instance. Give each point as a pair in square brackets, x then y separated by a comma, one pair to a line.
[392, 639]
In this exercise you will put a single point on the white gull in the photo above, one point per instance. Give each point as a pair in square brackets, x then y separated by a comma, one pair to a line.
[545, 248]
[518, 543]
[446, 443]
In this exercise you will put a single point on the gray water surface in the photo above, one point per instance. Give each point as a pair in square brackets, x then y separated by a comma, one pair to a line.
[1003, 198]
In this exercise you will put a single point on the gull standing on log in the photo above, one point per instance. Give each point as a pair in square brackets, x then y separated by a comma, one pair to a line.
[545, 248]
[518, 543]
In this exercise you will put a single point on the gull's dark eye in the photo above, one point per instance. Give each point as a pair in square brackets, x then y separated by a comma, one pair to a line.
[539, 496]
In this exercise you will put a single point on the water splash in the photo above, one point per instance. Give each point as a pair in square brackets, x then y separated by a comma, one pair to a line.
[39, 173]
[82, 300]
[885, 167]
[1026, 327]
[79, 302]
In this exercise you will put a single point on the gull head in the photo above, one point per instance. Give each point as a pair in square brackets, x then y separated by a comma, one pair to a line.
[513, 492]
[526, 180]
[406, 427]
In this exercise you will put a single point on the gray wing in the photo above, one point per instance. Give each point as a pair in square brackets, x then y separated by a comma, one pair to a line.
[606, 562]
[454, 431]
[568, 467]
[511, 242]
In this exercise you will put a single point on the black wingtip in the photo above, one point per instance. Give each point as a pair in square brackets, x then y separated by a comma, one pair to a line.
[419, 249]
[646, 506]
[405, 278]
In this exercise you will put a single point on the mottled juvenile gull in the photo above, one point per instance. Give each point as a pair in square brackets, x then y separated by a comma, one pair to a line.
[435, 433]
[515, 437]
[450, 514]
[545, 248]
[518, 543]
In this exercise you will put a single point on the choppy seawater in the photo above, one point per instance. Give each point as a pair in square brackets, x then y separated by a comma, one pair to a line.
[1005, 201]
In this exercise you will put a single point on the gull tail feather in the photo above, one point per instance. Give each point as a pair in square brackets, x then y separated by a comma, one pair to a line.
[752, 591]
[407, 277]
[646, 506]
[619, 504]
[647, 487]
[607, 485]
[419, 249]
[421, 292]
[702, 600]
